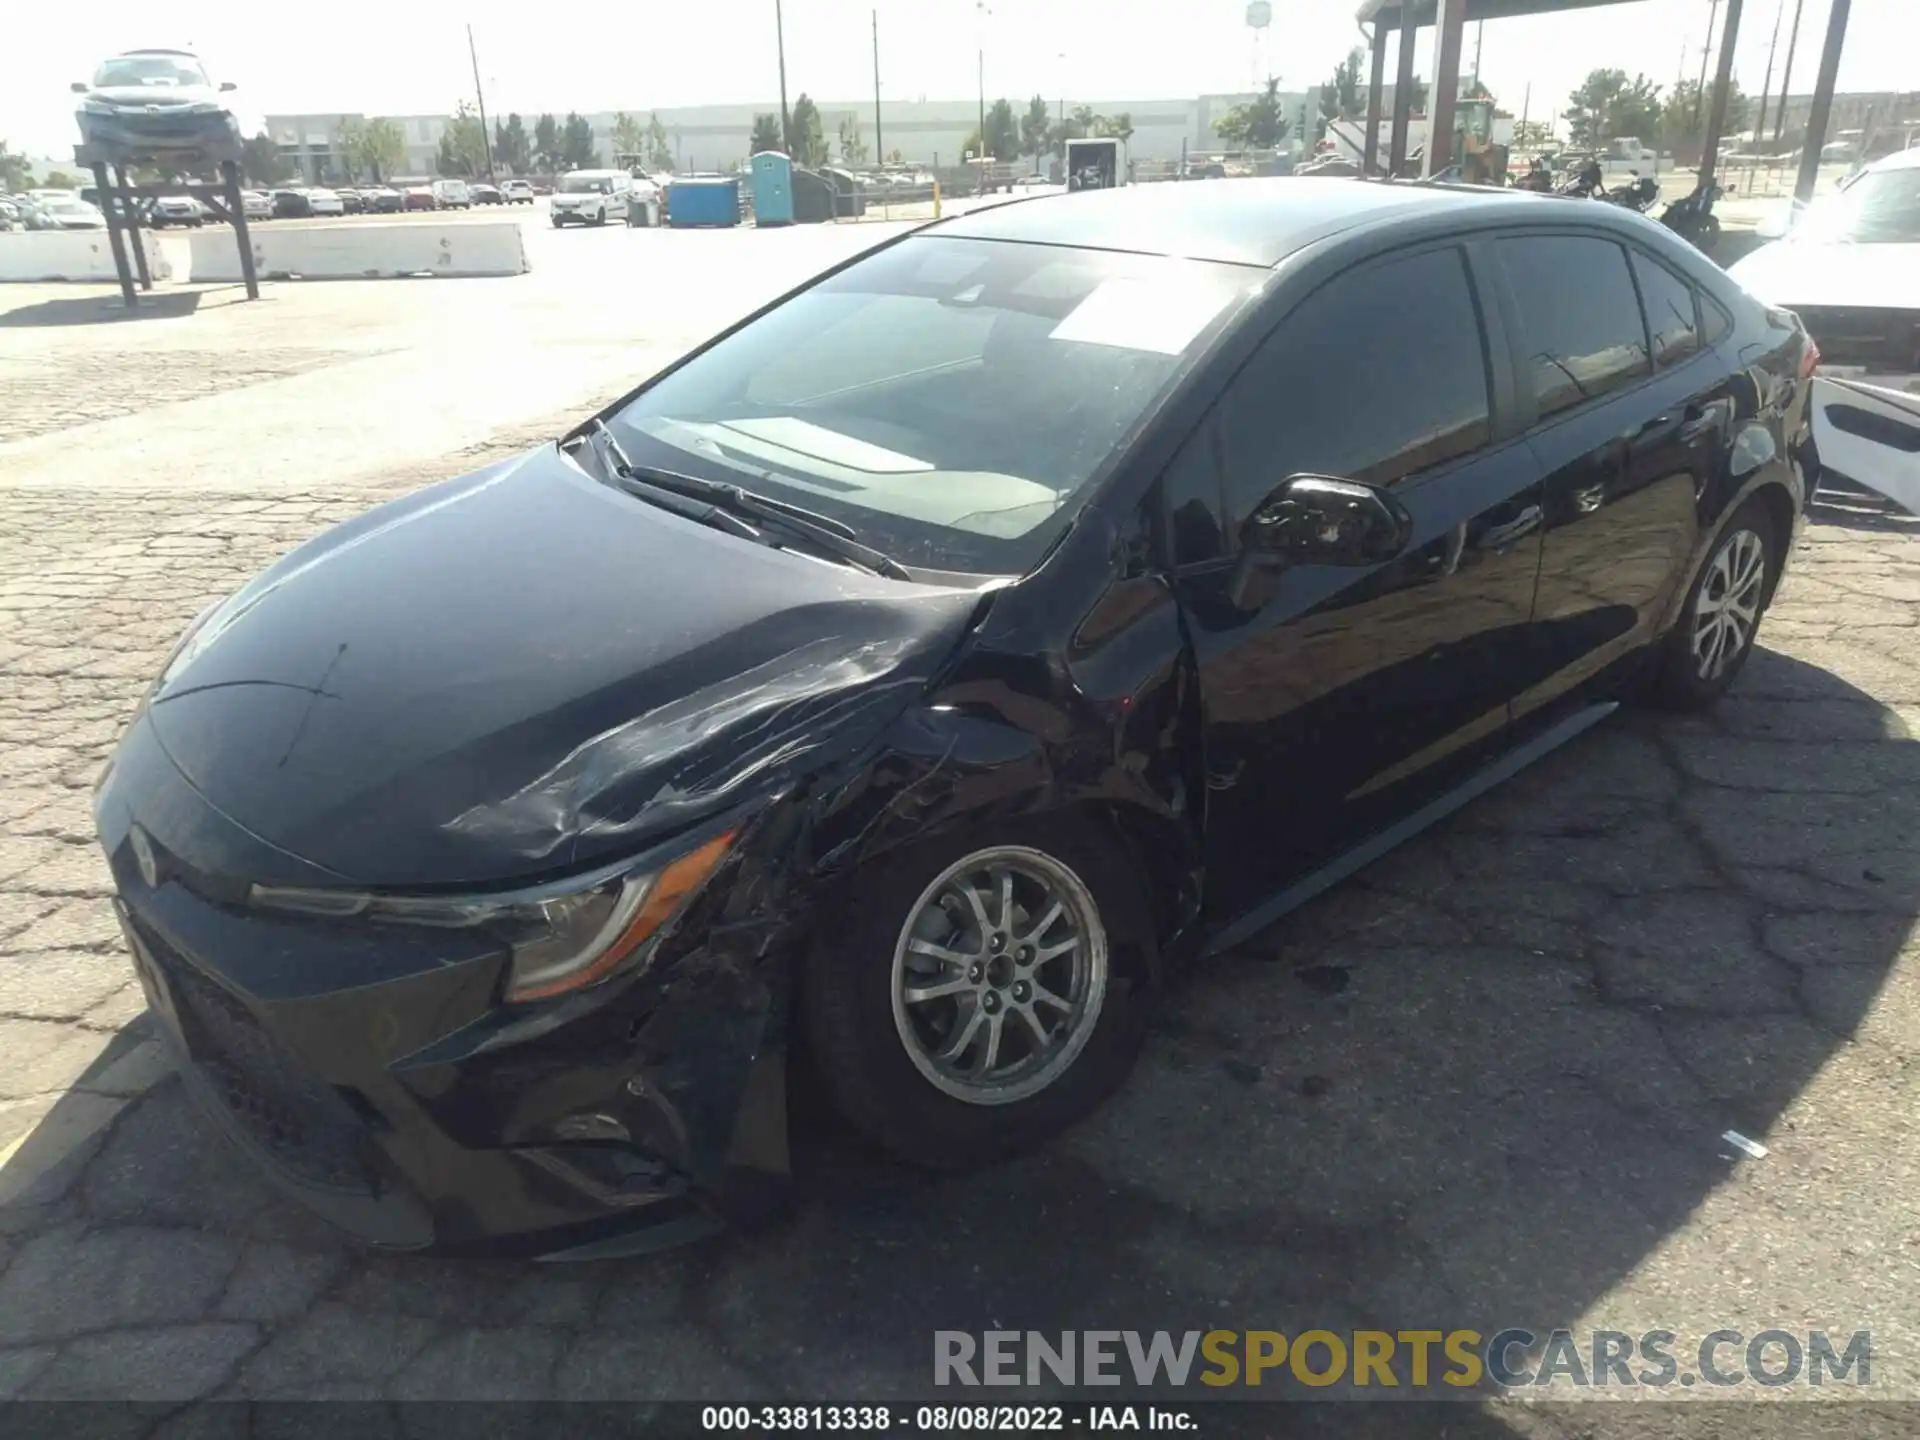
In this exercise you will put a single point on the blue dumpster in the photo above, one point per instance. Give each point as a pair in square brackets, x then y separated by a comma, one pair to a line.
[703, 200]
[772, 189]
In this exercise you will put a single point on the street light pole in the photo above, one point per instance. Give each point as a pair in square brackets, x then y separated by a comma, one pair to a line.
[780, 40]
[879, 137]
[981, 63]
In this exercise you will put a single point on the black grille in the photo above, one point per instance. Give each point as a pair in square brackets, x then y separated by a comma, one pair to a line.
[301, 1122]
[1887, 340]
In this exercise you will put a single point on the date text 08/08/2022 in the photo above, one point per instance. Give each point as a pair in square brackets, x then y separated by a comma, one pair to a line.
[934, 1419]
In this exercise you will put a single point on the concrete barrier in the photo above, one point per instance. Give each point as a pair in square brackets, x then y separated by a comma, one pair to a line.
[41, 255]
[366, 251]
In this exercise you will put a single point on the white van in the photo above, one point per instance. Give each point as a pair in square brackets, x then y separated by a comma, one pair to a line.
[593, 197]
[451, 195]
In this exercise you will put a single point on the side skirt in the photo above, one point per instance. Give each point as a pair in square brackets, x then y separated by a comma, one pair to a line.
[1434, 811]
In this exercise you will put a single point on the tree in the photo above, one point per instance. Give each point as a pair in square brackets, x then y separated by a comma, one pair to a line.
[659, 152]
[576, 144]
[548, 153]
[1003, 131]
[894, 157]
[1533, 134]
[1607, 105]
[374, 147]
[350, 144]
[809, 138]
[853, 145]
[13, 170]
[261, 161]
[766, 135]
[1684, 117]
[511, 147]
[1340, 94]
[1118, 127]
[629, 138]
[61, 180]
[1034, 128]
[1260, 125]
[463, 144]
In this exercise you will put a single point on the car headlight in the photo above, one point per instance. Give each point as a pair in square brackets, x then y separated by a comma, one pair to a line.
[560, 938]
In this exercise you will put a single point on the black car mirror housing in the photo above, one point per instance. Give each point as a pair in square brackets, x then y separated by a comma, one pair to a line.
[228, 85]
[79, 87]
[1324, 520]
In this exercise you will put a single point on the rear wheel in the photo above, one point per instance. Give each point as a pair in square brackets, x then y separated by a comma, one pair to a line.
[1710, 644]
[981, 993]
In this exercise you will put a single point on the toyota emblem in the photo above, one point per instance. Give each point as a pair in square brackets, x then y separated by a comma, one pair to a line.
[143, 856]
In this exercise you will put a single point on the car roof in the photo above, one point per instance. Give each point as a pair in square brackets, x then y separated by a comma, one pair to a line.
[1240, 221]
[153, 50]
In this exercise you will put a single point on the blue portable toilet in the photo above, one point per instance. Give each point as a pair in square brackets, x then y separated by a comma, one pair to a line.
[772, 189]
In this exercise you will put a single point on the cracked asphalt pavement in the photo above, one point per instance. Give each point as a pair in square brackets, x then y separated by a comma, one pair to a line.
[1481, 1085]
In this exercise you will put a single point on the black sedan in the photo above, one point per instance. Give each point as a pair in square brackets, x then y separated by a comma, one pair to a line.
[913, 676]
[291, 205]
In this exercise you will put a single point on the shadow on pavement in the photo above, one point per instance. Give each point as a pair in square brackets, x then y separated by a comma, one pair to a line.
[1474, 1088]
[103, 309]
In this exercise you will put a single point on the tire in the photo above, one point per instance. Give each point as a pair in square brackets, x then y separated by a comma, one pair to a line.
[878, 1054]
[1686, 680]
[558, 223]
[599, 219]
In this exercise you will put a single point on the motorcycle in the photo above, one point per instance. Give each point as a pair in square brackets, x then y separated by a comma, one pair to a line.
[1539, 178]
[1691, 217]
[1588, 180]
[1642, 194]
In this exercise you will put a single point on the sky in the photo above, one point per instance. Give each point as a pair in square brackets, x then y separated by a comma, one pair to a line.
[398, 59]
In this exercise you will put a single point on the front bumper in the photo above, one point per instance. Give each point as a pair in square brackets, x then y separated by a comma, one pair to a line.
[373, 1074]
[143, 133]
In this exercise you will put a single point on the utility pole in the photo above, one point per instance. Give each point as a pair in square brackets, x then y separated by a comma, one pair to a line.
[879, 140]
[1479, 41]
[1766, 85]
[981, 60]
[780, 40]
[1699, 95]
[486, 136]
[1786, 75]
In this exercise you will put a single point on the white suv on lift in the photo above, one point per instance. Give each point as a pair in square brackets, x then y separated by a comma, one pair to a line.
[593, 197]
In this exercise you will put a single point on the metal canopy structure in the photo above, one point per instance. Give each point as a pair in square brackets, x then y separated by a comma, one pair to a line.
[1450, 17]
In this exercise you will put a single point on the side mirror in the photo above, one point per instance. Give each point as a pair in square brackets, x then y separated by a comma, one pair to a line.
[228, 85]
[1321, 520]
[79, 87]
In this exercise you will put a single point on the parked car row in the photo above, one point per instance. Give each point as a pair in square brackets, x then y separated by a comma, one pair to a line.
[49, 210]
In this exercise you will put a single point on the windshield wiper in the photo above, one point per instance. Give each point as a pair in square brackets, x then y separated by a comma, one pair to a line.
[823, 531]
[620, 472]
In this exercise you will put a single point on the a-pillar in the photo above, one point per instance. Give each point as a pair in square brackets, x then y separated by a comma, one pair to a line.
[1449, 25]
[1402, 89]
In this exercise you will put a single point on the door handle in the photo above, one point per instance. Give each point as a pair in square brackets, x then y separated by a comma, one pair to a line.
[1698, 421]
[1503, 537]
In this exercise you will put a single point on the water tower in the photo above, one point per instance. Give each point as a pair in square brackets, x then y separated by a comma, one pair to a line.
[1259, 19]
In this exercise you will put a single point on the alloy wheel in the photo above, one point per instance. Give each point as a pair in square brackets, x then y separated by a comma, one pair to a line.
[999, 975]
[1727, 610]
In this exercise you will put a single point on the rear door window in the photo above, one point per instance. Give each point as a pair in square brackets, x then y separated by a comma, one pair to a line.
[1670, 311]
[1580, 318]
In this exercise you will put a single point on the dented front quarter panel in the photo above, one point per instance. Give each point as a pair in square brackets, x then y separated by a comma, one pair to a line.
[1074, 694]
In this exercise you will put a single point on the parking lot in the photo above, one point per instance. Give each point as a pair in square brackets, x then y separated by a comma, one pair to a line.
[1483, 1085]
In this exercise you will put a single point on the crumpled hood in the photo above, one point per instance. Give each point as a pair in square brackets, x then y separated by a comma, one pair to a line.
[525, 671]
[1812, 272]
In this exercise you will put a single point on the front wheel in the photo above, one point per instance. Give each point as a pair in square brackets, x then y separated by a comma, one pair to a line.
[558, 223]
[1710, 644]
[978, 994]
[601, 218]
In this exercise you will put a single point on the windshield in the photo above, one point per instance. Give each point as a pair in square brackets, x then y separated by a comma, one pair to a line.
[1881, 207]
[585, 185]
[64, 204]
[149, 70]
[949, 399]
